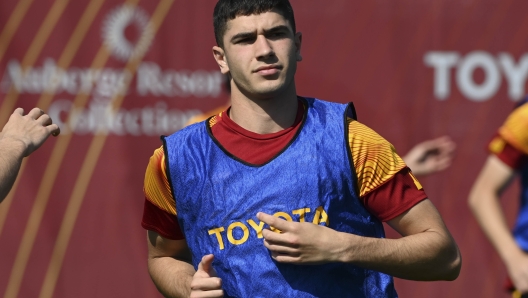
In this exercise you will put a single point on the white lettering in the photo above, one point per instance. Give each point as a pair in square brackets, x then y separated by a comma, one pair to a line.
[109, 82]
[465, 81]
[100, 118]
[442, 63]
[515, 75]
[151, 80]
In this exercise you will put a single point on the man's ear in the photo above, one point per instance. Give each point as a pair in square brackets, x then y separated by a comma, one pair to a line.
[298, 43]
[220, 58]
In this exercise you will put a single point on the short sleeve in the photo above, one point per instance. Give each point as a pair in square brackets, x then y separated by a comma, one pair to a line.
[374, 158]
[159, 213]
[514, 131]
[386, 185]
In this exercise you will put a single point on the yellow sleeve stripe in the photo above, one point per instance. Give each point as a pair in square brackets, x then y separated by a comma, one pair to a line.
[497, 145]
[213, 120]
[375, 160]
[156, 186]
[515, 129]
[416, 182]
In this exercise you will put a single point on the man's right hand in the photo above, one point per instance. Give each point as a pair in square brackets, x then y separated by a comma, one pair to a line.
[518, 271]
[205, 282]
[31, 130]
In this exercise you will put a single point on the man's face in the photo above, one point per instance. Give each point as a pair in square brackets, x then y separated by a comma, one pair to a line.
[260, 53]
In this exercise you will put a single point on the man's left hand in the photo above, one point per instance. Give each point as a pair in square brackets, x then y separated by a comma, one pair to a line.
[300, 242]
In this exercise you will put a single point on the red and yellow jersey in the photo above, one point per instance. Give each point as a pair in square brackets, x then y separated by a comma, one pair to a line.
[510, 144]
[387, 188]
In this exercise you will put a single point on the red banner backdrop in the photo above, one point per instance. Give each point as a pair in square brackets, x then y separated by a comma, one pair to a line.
[117, 74]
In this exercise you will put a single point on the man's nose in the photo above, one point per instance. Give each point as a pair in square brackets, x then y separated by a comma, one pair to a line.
[263, 47]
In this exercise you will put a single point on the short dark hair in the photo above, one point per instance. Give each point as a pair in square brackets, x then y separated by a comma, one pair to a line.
[226, 10]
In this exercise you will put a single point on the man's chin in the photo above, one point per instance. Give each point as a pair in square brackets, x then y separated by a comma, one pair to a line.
[267, 93]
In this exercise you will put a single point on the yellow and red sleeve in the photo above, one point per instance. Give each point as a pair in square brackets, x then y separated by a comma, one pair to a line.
[387, 188]
[159, 213]
[510, 144]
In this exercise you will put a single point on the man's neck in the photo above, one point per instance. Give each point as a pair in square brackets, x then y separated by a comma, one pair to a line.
[264, 116]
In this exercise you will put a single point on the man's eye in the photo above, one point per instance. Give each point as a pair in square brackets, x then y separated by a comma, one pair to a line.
[276, 35]
[244, 40]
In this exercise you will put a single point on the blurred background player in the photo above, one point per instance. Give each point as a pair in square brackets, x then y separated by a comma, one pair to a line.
[508, 157]
[21, 135]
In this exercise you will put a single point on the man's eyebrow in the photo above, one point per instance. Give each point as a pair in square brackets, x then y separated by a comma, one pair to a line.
[242, 35]
[277, 28]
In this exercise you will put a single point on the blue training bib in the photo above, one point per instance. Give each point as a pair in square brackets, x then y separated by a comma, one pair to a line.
[312, 179]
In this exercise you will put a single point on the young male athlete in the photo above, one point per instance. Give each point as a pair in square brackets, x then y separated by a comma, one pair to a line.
[508, 157]
[20, 136]
[280, 195]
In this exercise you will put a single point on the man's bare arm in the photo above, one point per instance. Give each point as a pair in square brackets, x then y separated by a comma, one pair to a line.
[11, 156]
[169, 265]
[484, 197]
[20, 136]
[426, 252]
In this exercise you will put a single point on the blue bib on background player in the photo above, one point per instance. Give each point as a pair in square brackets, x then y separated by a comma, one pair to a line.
[520, 231]
[218, 196]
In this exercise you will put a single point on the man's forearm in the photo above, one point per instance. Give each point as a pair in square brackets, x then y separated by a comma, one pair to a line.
[172, 277]
[429, 255]
[488, 212]
[11, 155]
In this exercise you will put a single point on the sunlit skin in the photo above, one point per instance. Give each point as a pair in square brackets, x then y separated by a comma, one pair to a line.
[260, 53]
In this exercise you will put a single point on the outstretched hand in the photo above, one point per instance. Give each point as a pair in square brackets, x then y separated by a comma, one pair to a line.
[430, 156]
[300, 242]
[31, 129]
[205, 282]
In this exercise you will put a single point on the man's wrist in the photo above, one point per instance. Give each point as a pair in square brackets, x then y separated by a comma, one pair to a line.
[512, 255]
[350, 247]
[14, 144]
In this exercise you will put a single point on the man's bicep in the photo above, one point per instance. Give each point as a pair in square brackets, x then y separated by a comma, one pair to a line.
[420, 218]
[159, 246]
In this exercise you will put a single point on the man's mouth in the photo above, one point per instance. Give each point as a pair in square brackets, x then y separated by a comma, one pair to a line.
[268, 70]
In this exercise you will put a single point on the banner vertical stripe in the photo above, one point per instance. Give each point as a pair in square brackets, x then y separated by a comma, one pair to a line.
[65, 59]
[52, 168]
[33, 52]
[83, 180]
[41, 201]
[12, 25]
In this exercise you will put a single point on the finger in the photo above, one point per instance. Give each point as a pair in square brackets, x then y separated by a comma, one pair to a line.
[206, 265]
[285, 258]
[53, 129]
[44, 120]
[19, 111]
[35, 113]
[206, 284]
[208, 294]
[279, 248]
[277, 238]
[273, 221]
